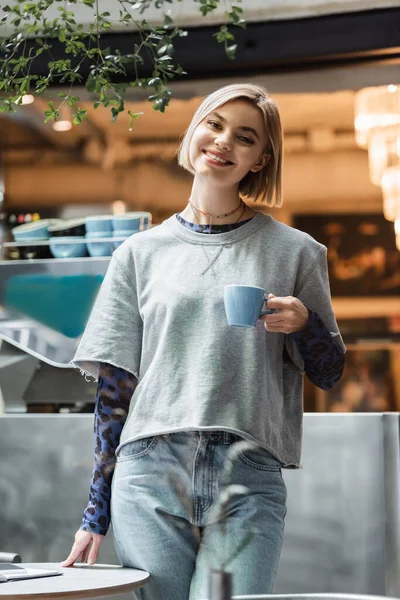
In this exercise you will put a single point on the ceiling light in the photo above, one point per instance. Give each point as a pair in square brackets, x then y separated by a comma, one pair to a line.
[62, 125]
[397, 232]
[27, 99]
[391, 194]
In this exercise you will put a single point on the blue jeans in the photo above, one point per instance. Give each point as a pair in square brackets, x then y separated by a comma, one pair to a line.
[162, 491]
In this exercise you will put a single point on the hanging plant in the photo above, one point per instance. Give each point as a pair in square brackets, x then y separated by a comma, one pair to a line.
[30, 34]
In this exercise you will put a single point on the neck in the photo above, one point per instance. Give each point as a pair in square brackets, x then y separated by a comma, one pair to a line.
[214, 200]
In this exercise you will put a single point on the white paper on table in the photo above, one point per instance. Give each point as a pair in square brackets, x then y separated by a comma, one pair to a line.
[26, 573]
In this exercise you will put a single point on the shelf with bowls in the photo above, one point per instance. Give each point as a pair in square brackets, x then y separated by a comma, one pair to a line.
[50, 277]
[94, 236]
[62, 247]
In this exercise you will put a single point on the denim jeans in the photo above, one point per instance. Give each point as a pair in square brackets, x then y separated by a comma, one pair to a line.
[162, 491]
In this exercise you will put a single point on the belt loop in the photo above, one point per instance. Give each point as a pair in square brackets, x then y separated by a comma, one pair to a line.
[226, 437]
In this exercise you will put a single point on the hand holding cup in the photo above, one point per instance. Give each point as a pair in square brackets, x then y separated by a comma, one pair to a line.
[290, 315]
[244, 306]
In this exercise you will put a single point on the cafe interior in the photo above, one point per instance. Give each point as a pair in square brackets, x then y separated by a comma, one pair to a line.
[341, 184]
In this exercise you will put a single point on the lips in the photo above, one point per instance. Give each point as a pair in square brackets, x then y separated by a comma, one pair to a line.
[217, 158]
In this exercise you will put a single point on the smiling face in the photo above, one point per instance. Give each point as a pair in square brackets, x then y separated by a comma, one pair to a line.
[229, 143]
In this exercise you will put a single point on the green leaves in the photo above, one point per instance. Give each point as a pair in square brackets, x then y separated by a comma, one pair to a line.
[207, 6]
[51, 113]
[224, 36]
[78, 117]
[69, 99]
[161, 96]
[115, 110]
[82, 45]
[133, 117]
[236, 16]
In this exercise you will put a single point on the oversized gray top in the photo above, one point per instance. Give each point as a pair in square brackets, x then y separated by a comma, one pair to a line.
[160, 315]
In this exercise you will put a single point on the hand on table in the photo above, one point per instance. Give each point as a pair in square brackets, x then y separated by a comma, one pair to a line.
[86, 546]
[291, 315]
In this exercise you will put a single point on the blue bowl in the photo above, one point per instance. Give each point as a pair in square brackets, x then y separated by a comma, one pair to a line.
[68, 247]
[96, 247]
[94, 235]
[71, 227]
[127, 221]
[36, 230]
[117, 244]
[100, 248]
[99, 223]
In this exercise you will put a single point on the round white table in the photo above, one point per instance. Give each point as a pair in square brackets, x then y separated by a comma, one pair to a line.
[80, 581]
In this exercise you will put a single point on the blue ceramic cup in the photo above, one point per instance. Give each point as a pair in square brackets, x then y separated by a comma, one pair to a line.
[244, 305]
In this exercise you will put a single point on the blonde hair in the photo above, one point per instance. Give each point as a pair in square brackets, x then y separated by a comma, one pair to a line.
[265, 185]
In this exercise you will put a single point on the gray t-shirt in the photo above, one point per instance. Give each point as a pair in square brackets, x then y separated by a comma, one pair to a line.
[160, 315]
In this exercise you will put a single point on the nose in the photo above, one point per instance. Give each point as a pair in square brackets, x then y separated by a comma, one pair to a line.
[223, 141]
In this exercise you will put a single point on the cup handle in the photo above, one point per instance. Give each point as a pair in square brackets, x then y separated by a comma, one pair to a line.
[269, 311]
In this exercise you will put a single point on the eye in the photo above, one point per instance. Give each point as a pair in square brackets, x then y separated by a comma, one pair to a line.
[214, 124]
[245, 139]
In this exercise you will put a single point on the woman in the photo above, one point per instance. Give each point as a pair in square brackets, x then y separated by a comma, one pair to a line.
[183, 386]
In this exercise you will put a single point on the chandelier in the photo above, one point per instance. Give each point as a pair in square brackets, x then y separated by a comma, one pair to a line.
[397, 233]
[377, 125]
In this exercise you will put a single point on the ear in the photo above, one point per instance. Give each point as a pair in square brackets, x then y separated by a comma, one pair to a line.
[261, 163]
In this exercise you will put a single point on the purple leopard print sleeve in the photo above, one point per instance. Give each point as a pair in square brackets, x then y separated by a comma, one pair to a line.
[114, 393]
[323, 358]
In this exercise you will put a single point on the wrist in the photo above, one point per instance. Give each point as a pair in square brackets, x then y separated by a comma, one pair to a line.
[307, 319]
[304, 328]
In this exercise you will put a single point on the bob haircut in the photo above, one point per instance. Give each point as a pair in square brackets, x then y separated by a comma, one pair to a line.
[264, 186]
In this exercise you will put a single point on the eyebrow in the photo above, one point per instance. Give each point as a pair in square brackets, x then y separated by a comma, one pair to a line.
[249, 129]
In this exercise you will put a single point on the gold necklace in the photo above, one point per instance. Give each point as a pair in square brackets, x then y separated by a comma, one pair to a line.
[203, 212]
[211, 217]
[210, 225]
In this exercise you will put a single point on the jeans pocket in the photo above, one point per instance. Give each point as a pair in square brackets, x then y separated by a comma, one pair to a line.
[260, 459]
[137, 448]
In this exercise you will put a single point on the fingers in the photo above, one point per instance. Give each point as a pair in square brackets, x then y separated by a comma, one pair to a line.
[81, 546]
[280, 321]
[94, 551]
[86, 546]
[72, 558]
[280, 302]
[278, 325]
[276, 328]
[276, 319]
[270, 296]
[284, 322]
[85, 554]
[290, 315]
